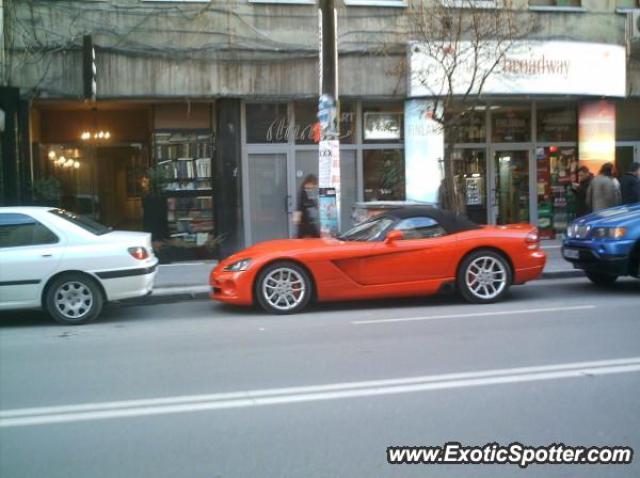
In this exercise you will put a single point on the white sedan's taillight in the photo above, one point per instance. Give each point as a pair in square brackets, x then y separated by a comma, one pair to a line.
[139, 253]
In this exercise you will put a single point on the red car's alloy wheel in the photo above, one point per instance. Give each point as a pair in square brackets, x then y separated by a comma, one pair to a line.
[283, 288]
[484, 276]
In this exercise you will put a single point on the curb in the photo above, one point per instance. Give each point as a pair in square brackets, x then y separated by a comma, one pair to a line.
[563, 274]
[168, 295]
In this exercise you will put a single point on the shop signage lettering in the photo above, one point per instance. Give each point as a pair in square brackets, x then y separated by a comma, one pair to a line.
[527, 67]
[536, 66]
[280, 129]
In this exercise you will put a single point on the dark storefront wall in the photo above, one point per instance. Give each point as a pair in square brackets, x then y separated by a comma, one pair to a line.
[627, 134]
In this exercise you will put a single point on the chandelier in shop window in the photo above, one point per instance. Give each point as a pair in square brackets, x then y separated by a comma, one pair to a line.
[95, 135]
[61, 161]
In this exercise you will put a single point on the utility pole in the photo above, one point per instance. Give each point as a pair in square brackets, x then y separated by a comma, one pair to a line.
[328, 114]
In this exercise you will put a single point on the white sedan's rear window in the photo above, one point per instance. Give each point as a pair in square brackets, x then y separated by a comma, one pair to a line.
[81, 221]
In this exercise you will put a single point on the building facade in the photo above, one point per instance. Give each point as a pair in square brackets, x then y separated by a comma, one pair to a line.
[221, 97]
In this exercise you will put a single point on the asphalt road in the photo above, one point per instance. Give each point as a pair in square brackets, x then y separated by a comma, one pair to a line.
[197, 389]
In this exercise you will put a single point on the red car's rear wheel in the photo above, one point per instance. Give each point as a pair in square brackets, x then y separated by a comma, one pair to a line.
[283, 288]
[484, 277]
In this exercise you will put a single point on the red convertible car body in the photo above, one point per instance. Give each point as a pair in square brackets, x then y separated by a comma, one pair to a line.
[411, 251]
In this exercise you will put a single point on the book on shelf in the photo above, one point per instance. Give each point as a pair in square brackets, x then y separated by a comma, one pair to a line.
[184, 168]
[203, 168]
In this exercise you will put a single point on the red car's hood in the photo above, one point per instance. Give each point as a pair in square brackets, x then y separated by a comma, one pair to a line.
[283, 246]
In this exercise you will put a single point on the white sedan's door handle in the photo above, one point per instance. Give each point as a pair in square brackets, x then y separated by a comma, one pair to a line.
[47, 254]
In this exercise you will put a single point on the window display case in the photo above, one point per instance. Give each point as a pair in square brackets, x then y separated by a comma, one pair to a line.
[557, 174]
[185, 156]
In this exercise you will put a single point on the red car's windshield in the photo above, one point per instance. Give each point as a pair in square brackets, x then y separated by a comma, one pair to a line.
[370, 230]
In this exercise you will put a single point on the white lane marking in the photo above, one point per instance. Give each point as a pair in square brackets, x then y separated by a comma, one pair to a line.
[193, 403]
[550, 247]
[475, 314]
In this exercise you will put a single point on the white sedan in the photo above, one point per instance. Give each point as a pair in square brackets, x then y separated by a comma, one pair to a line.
[68, 264]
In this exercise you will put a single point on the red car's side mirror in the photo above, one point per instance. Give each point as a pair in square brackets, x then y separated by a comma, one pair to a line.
[394, 235]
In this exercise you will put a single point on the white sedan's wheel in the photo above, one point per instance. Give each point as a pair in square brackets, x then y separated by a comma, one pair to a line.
[484, 276]
[74, 299]
[283, 288]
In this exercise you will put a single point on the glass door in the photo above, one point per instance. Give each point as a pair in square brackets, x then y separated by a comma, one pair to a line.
[471, 177]
[269, 200]
[511, 186]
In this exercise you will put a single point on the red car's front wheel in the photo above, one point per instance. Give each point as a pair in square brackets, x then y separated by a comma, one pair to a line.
[283, 288]
[484, 277]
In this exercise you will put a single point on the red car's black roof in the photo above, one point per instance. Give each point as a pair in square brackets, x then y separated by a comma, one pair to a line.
[450, 221]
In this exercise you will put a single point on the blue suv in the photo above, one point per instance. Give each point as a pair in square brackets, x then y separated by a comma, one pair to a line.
[605, 244]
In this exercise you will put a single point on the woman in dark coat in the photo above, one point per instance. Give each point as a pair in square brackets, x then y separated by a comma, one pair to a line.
[307, 216]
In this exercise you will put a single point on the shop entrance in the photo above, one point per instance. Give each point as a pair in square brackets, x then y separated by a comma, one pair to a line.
[270, 204]
[511, 198]
[274, 182]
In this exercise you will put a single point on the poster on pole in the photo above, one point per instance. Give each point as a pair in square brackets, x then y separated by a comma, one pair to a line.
[324, 168]
[328, 205]
[329, 183]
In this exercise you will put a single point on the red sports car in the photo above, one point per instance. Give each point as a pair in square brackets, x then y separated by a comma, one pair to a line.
[409, 251]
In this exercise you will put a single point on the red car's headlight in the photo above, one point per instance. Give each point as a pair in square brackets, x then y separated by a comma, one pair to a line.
[238, 266]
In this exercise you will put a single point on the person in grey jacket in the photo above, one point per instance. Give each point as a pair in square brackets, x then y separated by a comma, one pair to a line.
[604, 190]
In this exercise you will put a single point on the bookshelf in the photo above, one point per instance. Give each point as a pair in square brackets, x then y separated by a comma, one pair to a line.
[186, 156]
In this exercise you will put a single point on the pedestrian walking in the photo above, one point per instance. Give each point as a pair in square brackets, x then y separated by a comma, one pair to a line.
[604, 190]
[307, 216]
[580, 189]
[630, 185]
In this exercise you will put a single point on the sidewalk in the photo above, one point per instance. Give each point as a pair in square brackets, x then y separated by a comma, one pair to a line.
[189, 280]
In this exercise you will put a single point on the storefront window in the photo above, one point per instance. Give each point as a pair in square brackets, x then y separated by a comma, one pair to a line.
[69, 179]
[467, 126]
[382, 123]
[557, 123]
[511, 124]
[347, 122]
[557, 177]
[383, 174]
[306, 116]
[267, 123]
[184, 157]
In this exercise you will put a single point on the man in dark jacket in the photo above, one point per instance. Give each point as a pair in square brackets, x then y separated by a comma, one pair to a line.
[581, 188]
[630, 185]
